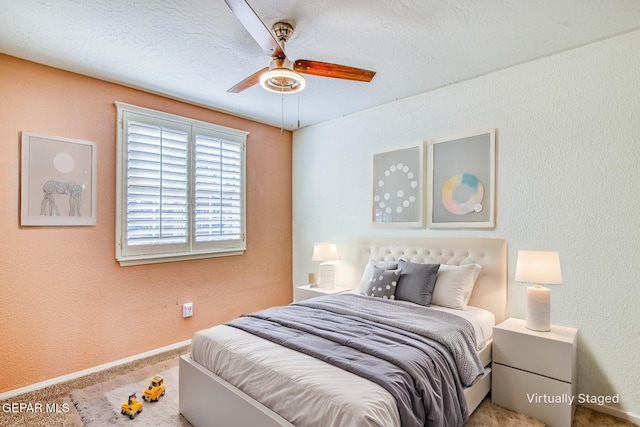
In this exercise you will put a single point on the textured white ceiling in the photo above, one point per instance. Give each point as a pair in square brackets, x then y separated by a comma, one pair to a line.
[195, 50]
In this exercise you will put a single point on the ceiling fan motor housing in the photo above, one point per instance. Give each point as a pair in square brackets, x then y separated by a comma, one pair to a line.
[282, 31]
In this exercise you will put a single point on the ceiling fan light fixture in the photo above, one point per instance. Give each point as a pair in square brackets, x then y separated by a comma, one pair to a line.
[282, 80]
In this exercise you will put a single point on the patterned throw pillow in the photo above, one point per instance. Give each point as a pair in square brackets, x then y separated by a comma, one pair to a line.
[383, 283]
[368, 272]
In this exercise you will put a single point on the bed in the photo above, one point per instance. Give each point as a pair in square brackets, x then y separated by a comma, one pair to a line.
[253, 381]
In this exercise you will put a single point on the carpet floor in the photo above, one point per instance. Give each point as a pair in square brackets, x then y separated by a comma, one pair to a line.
[99, 405]
[95, 401]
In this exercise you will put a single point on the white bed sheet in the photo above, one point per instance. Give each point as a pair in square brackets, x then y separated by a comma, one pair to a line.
[302, 389]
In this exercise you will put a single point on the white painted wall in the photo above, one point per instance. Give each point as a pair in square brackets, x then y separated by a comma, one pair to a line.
[568, 168]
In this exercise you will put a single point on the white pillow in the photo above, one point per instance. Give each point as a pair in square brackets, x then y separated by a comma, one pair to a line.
[454, 285]
[365, 280]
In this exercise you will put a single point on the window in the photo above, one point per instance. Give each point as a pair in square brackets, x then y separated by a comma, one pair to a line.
[180, 188]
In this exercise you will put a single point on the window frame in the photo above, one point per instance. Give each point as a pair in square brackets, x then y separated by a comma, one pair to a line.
[128, 255]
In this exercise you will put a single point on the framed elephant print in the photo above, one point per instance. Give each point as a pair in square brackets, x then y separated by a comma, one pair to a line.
[58, 181]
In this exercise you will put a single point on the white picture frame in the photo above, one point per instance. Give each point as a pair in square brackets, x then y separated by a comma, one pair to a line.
[398, 187]
[461, 173]
[57, 182]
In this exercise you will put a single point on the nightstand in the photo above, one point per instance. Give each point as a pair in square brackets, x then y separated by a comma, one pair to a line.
[307, 291]
[534, 373]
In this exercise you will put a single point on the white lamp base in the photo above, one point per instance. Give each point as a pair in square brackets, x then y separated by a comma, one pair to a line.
[327, 275]
[538, 309]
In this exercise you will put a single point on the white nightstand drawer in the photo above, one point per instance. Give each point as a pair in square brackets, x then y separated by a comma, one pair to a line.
[551, 354]
[550, 401]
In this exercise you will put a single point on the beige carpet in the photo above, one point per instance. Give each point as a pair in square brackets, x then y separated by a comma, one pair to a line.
[99, 405]
[95, 401]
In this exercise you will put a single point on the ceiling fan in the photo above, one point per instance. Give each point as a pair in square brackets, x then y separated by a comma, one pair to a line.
[282, 75]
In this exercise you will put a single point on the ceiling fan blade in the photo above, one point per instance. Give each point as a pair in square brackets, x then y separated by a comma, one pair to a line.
[248, 82]
[336, 71]
[254, 25]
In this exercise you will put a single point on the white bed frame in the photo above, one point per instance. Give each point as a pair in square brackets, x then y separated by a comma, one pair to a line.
[207, 398]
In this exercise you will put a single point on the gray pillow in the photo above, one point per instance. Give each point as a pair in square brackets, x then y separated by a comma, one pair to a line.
[383, 283]
[417, 282]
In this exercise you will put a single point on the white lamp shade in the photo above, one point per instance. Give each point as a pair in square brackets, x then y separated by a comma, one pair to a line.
[325, 252]
[540, 267]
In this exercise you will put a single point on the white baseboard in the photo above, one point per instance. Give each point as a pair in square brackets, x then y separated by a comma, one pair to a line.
[628, 416]
[64, 378]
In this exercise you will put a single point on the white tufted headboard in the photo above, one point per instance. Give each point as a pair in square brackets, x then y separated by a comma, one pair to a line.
[490, 291]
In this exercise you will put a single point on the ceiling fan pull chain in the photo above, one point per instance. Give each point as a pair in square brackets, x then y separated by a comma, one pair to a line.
[298, 110]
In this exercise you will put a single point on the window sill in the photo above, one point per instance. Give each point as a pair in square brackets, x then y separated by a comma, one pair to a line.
[127, 261]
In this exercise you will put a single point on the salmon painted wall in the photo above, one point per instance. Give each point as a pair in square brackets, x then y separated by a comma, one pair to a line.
[65, 303]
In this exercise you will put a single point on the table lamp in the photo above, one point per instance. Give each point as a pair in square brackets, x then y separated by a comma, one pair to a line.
[326, 253]
[539, 268]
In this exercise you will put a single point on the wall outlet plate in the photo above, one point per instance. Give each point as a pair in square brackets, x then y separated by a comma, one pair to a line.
[187, 309]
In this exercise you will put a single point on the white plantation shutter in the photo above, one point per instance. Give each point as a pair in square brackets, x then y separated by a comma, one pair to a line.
[157, 185]
[218, 184]
[218, 189]
[181, 185]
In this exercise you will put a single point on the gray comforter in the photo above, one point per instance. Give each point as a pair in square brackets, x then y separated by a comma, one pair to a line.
[422, 357]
